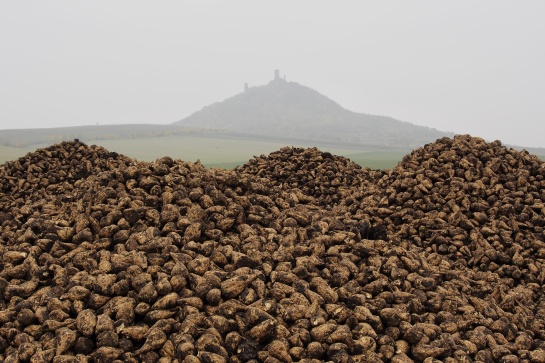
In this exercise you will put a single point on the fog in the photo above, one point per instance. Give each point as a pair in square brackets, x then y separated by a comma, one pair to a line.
[464, 66]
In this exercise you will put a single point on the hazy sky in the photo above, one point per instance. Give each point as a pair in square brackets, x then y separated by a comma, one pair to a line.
[464, 66]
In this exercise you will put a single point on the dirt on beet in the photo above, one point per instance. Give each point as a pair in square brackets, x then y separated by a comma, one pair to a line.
[298, 256]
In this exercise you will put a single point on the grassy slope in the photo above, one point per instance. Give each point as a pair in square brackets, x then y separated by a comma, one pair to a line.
[8, 153]
[377, 159]
[212, 152]
[216, 152]
[49, 136]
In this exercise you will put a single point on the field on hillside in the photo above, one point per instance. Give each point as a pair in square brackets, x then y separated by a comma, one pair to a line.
[376, 159]
[214, 151]
[223, 152]
[227, 153]
[8, 153]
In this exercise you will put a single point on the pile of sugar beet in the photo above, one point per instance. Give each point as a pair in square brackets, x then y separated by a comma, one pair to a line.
[298, 256]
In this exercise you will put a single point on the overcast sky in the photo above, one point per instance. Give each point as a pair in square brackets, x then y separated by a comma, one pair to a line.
[464, 66]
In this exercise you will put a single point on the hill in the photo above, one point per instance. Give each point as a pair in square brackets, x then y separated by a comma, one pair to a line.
[283, 108]
[260, 120]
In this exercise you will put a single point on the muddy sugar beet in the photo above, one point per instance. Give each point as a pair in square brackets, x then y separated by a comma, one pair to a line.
[298, 256]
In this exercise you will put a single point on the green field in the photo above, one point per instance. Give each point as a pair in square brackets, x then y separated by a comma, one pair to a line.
[224, 152]
[8, 153]
[230, 152]
[221, 152]
[377, 159]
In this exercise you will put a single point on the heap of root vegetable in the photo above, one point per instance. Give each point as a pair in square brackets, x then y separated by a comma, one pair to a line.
[298, 256]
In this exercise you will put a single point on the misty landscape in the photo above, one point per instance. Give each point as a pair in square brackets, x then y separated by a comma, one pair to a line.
[176, 187]
[259, 120]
